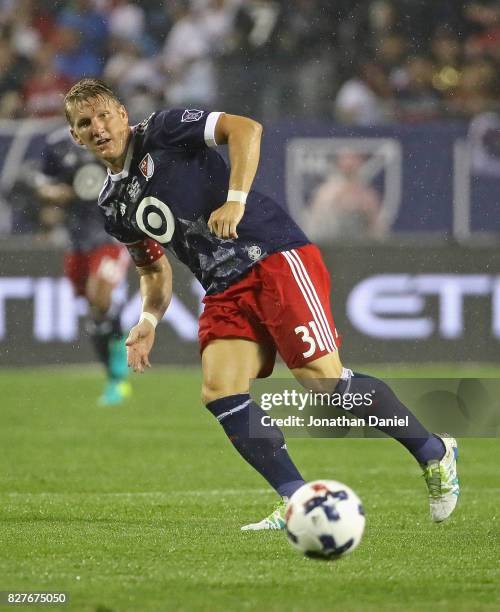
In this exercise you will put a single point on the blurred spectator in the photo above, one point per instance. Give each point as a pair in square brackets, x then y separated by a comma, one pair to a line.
[446, 54]
[83, 36]
[364, 99]
[248, 58]
[344, 207]
[127, 20]
[417, 99]
[14, 70]
[71, 59]
[44, 90]
[304, 39]
[266, 58]
[136, 78]
[187, 59]
[478, 89]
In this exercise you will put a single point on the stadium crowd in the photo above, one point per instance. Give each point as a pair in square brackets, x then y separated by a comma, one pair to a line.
[365, 62]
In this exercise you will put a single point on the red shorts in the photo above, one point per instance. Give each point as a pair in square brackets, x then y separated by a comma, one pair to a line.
[282, 303]
[108, 262]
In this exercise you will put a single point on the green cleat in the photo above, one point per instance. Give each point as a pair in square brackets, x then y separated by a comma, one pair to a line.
[442, 481]
[276, 520]
[116, 392]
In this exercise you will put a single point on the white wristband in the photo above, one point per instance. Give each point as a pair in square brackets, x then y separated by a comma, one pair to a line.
[147, 316]
[237, 196]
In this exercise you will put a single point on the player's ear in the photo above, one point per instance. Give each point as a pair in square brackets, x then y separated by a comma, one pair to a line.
[75, 137]
[122, 111]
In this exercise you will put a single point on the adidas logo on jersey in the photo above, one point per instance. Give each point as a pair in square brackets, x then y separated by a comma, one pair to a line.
[134, 189]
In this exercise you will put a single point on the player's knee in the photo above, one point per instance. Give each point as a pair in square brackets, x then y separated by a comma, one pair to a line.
[99, 303]
[320, 375]
[213, 389]
[218, 382]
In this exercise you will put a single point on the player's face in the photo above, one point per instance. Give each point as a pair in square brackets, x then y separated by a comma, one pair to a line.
[101, 125]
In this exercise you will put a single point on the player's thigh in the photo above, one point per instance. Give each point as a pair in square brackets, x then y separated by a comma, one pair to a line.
[228, 364]
[99, 293]
[107, 268]
[76, 270]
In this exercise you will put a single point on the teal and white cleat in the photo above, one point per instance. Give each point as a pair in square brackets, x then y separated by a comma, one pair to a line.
[442, 481]
[276, 520]
[116, 392]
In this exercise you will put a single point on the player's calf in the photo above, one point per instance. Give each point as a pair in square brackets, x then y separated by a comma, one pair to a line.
[263, 447]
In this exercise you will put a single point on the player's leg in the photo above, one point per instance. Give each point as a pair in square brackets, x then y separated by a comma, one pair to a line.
[107, 267]
[228, 365]
[308, 341]
[436, 454]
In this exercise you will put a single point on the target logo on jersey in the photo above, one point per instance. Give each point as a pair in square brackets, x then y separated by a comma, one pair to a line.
[155, 219]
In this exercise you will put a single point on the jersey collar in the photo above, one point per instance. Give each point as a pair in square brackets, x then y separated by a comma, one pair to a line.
[126, 166]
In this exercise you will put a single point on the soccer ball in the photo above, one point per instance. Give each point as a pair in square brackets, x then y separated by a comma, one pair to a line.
[324, 518]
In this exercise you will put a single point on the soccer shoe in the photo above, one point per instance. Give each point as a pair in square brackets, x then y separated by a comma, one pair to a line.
[276, 520]
[442, 481]
[115, 393]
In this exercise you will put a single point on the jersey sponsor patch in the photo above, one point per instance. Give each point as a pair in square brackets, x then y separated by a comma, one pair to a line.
[191, 115]
[155, 219]
[147, 166]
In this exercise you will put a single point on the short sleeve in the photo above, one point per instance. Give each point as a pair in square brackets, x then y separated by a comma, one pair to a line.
[189, 128]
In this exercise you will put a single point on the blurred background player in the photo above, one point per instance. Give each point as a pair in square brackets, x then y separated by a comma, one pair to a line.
[70, 179]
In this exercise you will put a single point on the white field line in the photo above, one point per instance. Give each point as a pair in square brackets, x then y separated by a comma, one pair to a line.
[189, 493]
[192, 493]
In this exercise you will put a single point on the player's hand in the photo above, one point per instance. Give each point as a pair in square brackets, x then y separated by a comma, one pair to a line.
[224, 221]
[139, 343]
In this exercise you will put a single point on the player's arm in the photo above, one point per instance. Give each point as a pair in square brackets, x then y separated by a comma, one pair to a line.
[242, 136]
[156, 291]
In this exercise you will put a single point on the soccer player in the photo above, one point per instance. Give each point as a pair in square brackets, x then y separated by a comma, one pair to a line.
[267, 288]
[96, 264]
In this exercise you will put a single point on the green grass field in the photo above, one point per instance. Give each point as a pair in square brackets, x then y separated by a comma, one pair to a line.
[139, 508]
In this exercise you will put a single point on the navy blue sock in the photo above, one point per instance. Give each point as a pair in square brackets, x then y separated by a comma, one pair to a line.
[421, 443]
[262, 447]
[102, 331]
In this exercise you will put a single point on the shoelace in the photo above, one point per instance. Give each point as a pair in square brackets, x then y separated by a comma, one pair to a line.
[433, 478]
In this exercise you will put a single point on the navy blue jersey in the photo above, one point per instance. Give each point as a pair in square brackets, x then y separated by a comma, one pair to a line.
[63, 161]
[171, 182]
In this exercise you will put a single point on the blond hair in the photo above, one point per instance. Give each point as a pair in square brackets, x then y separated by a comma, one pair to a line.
[86, 89]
